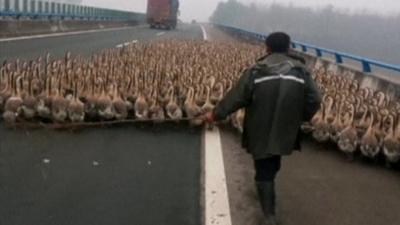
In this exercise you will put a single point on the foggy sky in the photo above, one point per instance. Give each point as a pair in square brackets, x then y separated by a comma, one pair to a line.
[201, 10]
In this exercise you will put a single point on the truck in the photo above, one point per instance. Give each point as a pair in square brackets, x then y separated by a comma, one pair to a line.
[162, 13]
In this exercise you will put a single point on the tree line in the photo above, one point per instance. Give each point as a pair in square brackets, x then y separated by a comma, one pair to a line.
[366, 34]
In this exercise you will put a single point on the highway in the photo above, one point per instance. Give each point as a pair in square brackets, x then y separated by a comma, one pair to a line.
[87, 43]
[120, 175]
[148, 175]
[151, 174]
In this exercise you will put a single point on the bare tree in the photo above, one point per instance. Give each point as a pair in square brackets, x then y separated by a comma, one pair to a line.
[365, 34]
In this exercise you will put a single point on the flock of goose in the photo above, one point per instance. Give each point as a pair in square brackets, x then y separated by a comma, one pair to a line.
[172, 80]
[356, 119]
[157, 81]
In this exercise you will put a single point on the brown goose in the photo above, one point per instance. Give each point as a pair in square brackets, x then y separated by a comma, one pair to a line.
[141, 107]
[238, 120]
[76, 109]
[193, 111]
[348, 138]
[156, 112]
[391, 143]
[104, 104]
[119, 105]
[174, 112]
[13, 105]
[321, 128]
[59, 105]
[30, 102]
[6, 84]
[369, 144]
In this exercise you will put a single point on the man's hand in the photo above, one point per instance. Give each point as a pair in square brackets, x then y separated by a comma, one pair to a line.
[209, 118]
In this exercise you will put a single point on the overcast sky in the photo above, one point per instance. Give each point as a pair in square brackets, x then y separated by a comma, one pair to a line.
[202, 9]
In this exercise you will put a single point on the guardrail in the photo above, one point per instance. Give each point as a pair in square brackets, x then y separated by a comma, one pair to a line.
[44, 9]
[319, 52]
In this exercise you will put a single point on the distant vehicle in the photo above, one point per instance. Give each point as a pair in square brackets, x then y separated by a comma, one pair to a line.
[162, 13]
[194, 21]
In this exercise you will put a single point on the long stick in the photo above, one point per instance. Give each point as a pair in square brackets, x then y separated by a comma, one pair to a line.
[33, 125]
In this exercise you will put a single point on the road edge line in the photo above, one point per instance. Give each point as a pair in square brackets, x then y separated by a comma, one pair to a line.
[203, 30]
[217, 208]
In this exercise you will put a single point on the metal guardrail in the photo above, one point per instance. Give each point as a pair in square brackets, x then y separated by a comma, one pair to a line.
[319, 51]
[45, 9]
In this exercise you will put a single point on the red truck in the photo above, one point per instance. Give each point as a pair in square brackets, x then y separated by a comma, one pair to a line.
[162, 13]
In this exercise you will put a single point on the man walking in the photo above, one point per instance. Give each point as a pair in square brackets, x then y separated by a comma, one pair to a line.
[278, 94]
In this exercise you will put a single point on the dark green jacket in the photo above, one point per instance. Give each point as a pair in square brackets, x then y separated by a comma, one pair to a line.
[278, 94]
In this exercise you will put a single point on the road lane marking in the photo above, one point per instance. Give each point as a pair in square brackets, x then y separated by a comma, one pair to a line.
[161, 33]
[216, 191]
[66, 34]
[126, 44]
[203, 30]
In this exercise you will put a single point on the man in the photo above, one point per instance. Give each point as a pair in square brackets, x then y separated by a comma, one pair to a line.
[278, 95]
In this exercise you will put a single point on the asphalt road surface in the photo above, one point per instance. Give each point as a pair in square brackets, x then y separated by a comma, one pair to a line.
[315, 187]
[102, 176]
[119, 175]
[86, 44]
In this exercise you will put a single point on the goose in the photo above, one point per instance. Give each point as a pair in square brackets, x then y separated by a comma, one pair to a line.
[13, 105]
[90, 97]
[59, 105]
[29, 103]
[207, 106]
[104, 104]
[348, 138]
[238, 120]
[308, 127]
[217, 94]
[391, 143]
[43, 107]
[6, 84]
[321, 128]
[193, 111]
[141, 107]
[156, 112]
[200, 96]
[337, 126]
[369, 144]
[174, 112]
[119, 105]
[76, 109]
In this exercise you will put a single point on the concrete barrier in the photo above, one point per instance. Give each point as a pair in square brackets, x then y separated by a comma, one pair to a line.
[22, 28]
[388, 83]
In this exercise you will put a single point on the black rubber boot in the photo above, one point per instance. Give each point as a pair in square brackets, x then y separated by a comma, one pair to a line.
[266, 193]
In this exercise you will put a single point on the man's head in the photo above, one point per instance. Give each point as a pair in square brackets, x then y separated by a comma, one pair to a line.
[278, 42]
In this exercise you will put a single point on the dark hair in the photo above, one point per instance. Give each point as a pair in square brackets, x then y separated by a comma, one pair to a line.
[278, 42]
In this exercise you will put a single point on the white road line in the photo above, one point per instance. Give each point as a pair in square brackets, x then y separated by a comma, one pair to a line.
[64, 34]
[161, 33]
[127, 43]
[205, 36]
[216, 192]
